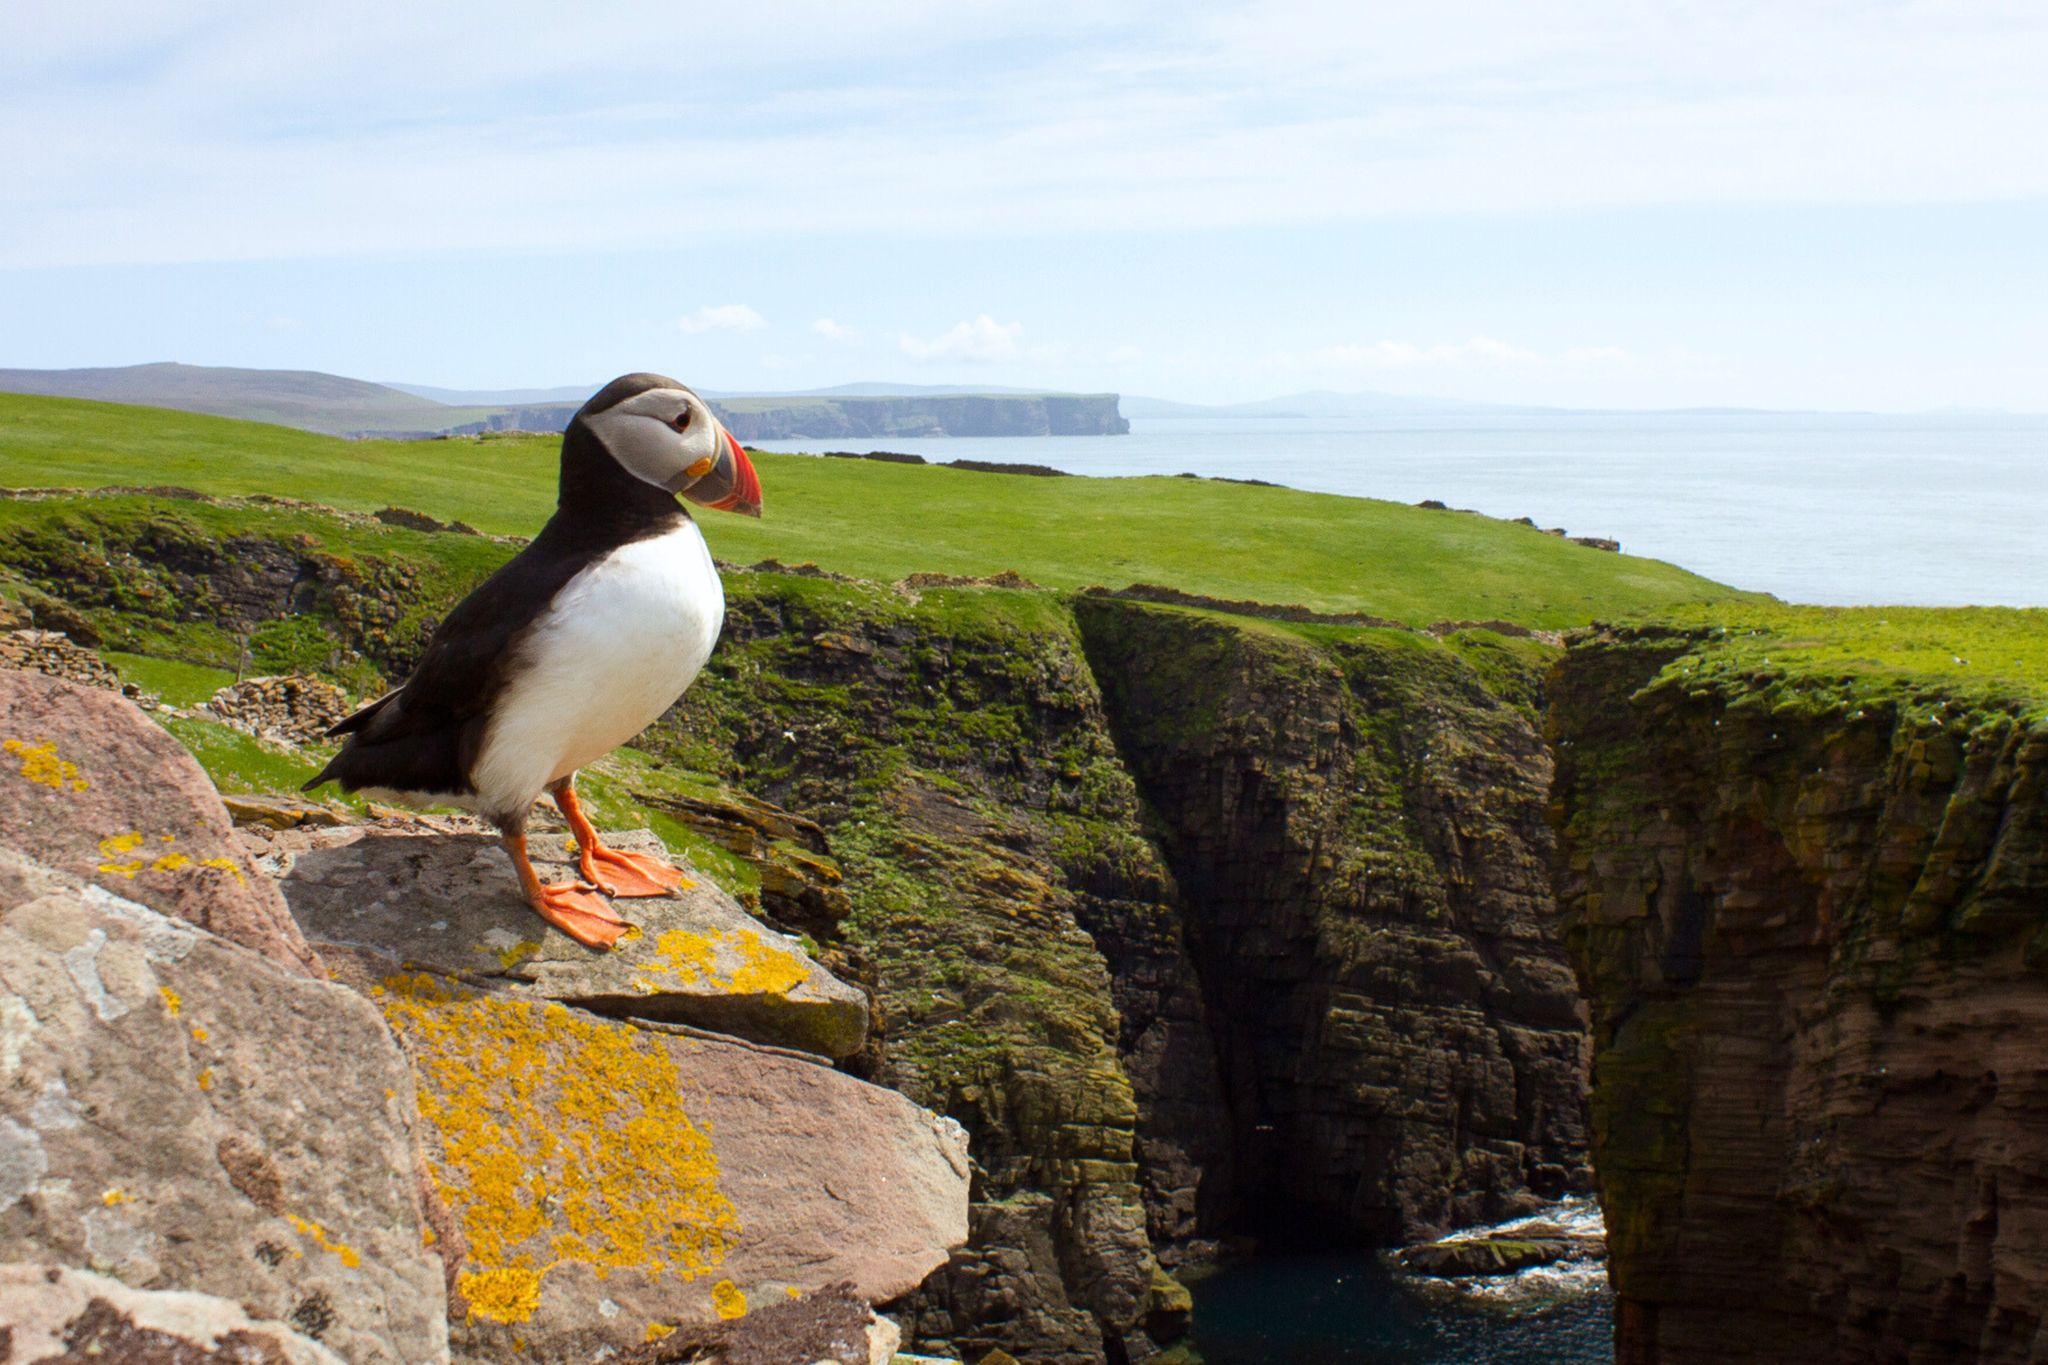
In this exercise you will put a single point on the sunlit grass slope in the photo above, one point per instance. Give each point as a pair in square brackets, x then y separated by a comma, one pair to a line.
[883, 521]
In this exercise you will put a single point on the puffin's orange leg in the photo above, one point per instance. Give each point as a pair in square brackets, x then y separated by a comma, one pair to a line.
[574, 908]
[614, 871]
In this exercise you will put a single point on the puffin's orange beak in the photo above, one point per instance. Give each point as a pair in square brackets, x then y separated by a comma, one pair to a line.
[745, 497]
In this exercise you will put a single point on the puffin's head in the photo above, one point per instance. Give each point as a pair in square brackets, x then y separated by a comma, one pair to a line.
[661, 432]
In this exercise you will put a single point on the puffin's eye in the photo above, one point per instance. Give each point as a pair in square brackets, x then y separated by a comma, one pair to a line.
[682, 421]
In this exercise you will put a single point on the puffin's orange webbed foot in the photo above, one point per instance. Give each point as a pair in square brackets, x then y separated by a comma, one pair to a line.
[616, 872]
[580, 912]
[573, 907]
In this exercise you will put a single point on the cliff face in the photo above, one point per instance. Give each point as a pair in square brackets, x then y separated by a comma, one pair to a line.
[1356, 827]
[966, 414]
[1809, 917]
[1019, 926]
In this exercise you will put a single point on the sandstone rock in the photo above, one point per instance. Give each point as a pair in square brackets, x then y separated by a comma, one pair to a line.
[611, 1177]
[1804, 918]
[278, 812]
[450, 902]
[293, 708]
[57, 1314]
[176, 1110]
[91, 787]
[835, 1327]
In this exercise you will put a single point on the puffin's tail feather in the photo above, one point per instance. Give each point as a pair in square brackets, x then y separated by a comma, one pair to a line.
[326, 774]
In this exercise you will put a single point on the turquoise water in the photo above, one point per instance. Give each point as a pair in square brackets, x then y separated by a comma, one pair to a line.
[1830, 508]
[1344, 1308]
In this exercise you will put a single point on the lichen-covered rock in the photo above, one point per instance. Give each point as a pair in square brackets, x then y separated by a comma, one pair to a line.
[450, 902]
[90, 786]
[1810, 912]
[59, 1315]
[612, 1178]
[178, 1111]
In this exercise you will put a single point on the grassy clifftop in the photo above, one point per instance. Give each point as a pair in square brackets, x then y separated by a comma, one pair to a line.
[883, 521]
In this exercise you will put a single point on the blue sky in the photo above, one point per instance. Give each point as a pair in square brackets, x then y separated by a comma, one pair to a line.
[1800, 203]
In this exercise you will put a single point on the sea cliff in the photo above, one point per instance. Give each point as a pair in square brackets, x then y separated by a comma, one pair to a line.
[862, 417]
[1808, 903]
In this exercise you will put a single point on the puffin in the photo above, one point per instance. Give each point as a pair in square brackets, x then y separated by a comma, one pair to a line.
[571, 649]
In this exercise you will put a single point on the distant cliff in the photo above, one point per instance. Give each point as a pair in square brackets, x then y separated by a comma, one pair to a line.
[851, 417]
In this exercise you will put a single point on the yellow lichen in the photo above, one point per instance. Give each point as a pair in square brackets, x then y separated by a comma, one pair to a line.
[511, 957]
[226, 865]
[728, 1299]
[501, 1293]
[205, 1078]
[173, 1002]
[308, 1228]
[692, 959]
[41, 764]
[116, 1195]
[657, 1330]
[113, 846]
[561, 1137]
[199, 1034]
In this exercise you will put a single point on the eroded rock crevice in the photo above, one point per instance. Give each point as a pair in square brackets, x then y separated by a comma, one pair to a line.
[1356, 831]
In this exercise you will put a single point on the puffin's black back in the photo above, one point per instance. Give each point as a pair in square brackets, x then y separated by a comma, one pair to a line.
[425, 735]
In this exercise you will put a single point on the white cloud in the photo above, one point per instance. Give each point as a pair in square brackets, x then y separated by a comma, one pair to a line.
[1123, 355]
[725, 317]
[254, 134]
[834, 331]
[983, 341]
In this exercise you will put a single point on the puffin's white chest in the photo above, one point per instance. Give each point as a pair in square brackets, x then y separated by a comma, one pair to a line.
[620, 642]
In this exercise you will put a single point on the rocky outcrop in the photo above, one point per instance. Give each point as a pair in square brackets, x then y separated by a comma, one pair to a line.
[451, 903]
[101, 794]
[372, 1166]
[1357, 831]
[1808, 911]
[296, 709]
[179, 1111]
[57, 1315]
[612, 1178]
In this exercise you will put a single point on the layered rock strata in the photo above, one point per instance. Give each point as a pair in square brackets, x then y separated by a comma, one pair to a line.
[1809, 914]
[1356, 828]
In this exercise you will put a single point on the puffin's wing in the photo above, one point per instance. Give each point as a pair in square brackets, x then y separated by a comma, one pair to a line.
[362, 715]
[423, 734]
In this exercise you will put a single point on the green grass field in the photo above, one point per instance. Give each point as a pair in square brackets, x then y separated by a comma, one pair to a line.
[882, 521]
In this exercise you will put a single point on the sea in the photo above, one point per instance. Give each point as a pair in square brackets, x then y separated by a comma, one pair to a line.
[1829, 508]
